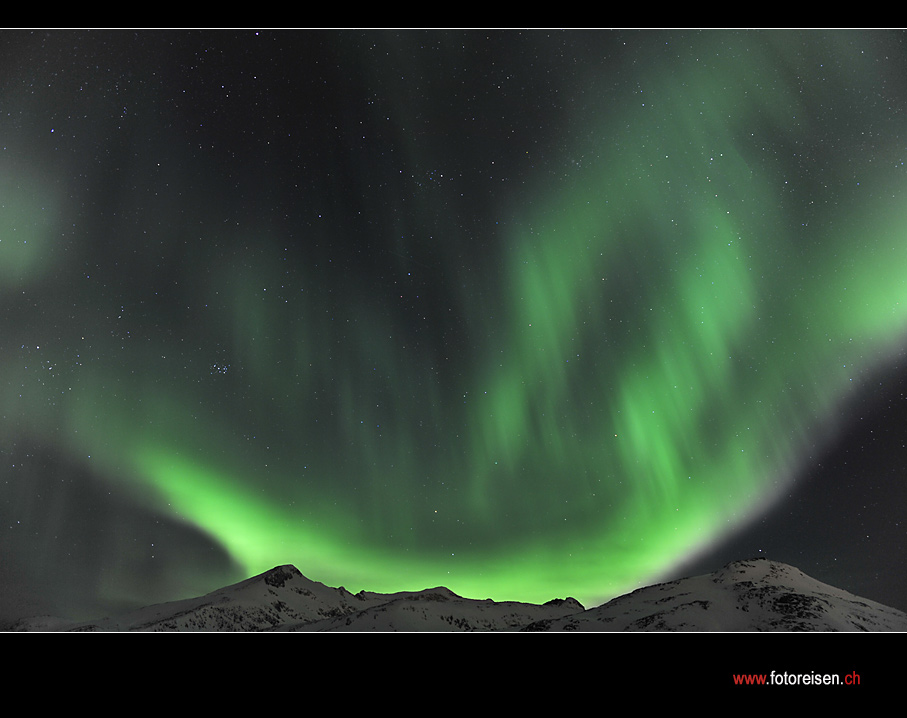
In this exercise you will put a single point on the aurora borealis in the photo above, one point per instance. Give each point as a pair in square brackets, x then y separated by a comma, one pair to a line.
[525, 314]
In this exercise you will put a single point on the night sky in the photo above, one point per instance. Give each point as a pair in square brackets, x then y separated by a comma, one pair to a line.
[528, 314]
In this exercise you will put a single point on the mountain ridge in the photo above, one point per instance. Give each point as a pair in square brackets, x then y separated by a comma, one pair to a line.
[746, 595]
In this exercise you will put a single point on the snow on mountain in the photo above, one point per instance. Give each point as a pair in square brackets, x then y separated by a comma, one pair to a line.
[752, 595]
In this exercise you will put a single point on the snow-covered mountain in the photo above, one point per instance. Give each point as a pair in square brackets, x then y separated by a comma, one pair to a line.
[751, 595]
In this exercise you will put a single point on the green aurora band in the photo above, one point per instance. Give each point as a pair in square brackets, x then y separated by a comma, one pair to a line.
[665, 331]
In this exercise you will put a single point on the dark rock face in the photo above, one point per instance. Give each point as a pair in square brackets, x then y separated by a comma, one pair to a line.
[278, 577]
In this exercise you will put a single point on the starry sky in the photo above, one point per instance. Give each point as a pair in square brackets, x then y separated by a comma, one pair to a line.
[528, 314]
